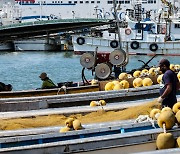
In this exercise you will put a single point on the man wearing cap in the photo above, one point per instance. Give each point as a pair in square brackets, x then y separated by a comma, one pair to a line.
[47, 83]
[168, 86]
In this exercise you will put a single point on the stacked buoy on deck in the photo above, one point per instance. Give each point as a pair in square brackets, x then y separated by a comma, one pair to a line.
[71, 124]
[139, 78]
[98, 103]
[166, 119]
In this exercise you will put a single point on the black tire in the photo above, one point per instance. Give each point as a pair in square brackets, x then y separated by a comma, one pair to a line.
[134, 45]
[80, 40]
[114, 44]
[153, 47]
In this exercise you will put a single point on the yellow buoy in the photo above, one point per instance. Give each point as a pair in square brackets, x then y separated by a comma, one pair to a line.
[137, 74]
[64, 129]
[178, 75]
[125, 84]
[172, 67]
[123, 76]
[165, 141]
[118, 86]
[178, 142]
[69, 122]
[109, 86]
[177, 67]
[77, 124]
[178, 117]
[102, 102]
[152, 71]
[159, 78]
[167, 118]
[154, 112]
[115, 82]
[147, 82]
[176, 107]
[144, 72]
[137, 82]
[93, 103]
[166, 109]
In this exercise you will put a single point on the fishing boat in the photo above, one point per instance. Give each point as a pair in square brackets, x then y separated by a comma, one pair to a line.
[112, 137]
[36, 44]
[103, 49]
[139, 35]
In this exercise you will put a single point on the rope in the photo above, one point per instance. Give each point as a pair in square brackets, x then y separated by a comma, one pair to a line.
[164, 127]
[62, 88]
[145, 118]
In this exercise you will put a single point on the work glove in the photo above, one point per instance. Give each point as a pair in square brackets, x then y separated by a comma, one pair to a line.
[160, 99]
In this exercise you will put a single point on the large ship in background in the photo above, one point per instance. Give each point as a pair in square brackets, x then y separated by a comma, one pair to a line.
[52, 9]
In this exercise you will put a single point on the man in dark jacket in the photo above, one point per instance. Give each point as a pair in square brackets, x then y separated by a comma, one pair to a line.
[169, 85]
[47, 83]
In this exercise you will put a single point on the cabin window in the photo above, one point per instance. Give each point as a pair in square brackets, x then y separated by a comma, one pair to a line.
[75, 2]
[127, 2]
[81, 2]
[121, 2]
[109, 2]
[150, 1]
[177, 26]
[154, 1]
[144, 1]
[92, 2]
[98, 2]
[69, 2]
[87, 2]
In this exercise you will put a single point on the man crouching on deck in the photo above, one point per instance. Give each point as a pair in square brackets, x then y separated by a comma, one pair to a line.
[47, 83]
[168, 86]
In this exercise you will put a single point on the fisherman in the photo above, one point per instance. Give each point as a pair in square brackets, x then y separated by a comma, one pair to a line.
[4, 87]
[47, 83]
[168, 86]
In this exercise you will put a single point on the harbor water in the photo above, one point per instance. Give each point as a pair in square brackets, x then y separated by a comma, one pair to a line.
[22, 69]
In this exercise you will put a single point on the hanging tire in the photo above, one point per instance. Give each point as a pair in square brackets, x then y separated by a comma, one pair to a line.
[134, 45]
[80, 40]
[153, 47]
[114, 44]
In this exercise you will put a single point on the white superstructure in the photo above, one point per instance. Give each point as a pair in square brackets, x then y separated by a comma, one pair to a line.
[49, 9]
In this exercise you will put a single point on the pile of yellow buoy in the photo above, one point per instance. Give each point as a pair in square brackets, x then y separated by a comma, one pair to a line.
[98, 103]
[166, 119]
[71, 124]
[139, 78]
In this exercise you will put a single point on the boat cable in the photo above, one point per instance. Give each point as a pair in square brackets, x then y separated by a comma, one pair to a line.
[83, 77]
[164, 128]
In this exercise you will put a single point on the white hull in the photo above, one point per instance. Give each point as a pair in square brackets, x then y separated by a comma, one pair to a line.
[6, 46]
[36, 45]
[164, 48]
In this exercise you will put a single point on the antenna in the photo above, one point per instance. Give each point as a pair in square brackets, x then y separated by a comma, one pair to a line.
[117, 22]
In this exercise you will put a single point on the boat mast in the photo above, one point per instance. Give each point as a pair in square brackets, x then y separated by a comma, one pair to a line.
[117, 22]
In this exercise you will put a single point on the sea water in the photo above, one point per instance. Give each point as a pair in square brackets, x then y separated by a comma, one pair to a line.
[22, 69]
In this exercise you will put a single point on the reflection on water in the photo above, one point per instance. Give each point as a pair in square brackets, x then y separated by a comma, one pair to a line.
[68, 54]
[22, 69]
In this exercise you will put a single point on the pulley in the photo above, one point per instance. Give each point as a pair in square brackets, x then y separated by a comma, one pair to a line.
[103, 71]
[117, 57]
[87, 60]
